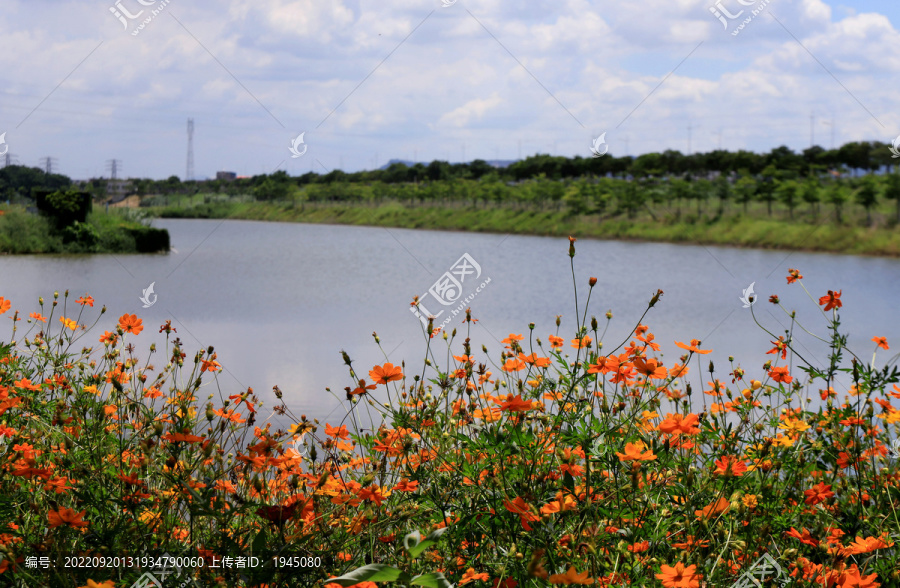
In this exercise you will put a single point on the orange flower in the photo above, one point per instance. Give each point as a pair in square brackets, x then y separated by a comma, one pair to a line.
[386, 373]
[780, 374]
[780, 347]
[729, 464]
[581, 342]
[26, 384]
[104, 584]
[362, 388]
[793, 276]
[804, 537]
[471, 575]
[513, 338]
[4, 304]
[108, 337]
[650, 368]
[210, 365]
[358, 585]
[860, 545]
[37, 316]
[713, 509]
[513, 365]
[405, 485]
[516, 404]
[68, 323]
[818, 493]
[555, 342]
[636, 452]
[66, 516]
[571, 577]
[679, 423]
[693, 347]
[679, 576]
[130, 323]
[881, 342]
[523, 509]
[831, 300]
[88, 300]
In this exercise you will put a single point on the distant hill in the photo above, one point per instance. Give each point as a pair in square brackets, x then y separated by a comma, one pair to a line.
[498, 163]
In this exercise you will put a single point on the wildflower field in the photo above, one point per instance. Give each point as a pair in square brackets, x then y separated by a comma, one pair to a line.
[562, 458]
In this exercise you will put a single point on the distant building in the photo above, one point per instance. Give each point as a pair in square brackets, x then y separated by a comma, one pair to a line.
[226, 175]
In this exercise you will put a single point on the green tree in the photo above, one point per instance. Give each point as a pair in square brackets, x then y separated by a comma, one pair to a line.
[810, 194]
[892, 190]
[787, 192]
[867, 196]
[745, 188]
[722, 190]
[837, 197]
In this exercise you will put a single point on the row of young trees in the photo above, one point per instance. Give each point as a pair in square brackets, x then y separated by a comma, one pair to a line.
[613, 196]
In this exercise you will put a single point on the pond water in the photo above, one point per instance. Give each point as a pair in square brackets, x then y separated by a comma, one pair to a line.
[279, 302]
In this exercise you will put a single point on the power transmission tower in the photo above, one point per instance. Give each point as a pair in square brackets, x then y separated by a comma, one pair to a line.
[8, 159]
[47, 163]
[113, 166]
[190, 151]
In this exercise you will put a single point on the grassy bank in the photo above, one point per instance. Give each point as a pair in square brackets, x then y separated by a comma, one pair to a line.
[806, 234]
[22, 232]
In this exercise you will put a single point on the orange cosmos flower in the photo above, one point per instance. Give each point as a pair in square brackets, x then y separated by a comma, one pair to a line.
[210, 365]
[104, 584]
[679, 576]
[680, 424]
[130, 323]
[471, 575]
[405, 485]
[86, 300]
[68, 323]
[516, 404]
[730, 464]
[693, 347]
[780, 374]
[38, 317]
[650, 368]
[513, 338]
[818, 493]
[571, 576]
[713, 509]
[513, 365]
[860, 545]
[831, 300]
[108, 337]
[881, 342]
[26, 384]
[804, 537]
[4, 304]
[793, 276]
[386, 373]
[555, 342]
[523, 509]
[636, 452]
[66, 516]
[780, 347]
[337, 433]
[581, 342]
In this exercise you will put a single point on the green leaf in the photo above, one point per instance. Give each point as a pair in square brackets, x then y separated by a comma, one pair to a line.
[369, 573]
[259, 543]
[430, 540]
[433, 580]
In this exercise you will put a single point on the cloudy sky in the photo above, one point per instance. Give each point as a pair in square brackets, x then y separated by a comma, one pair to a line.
[368, 81]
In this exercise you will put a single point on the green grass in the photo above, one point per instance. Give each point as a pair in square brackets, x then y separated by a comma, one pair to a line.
[754, 231]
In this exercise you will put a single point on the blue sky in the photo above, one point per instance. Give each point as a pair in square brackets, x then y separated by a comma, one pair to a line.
[368, 81]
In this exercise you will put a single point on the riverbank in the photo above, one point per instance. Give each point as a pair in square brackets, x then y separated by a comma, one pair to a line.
[22, 232]
[737, 231]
